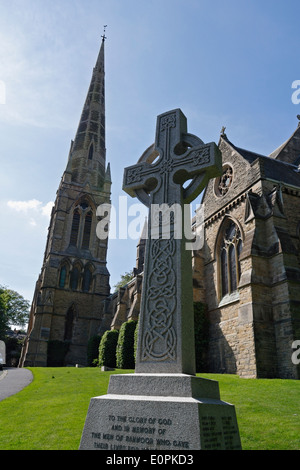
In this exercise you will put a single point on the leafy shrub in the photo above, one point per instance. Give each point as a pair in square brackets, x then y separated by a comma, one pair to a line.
[125, 347]
[107, 348]
[136, 337]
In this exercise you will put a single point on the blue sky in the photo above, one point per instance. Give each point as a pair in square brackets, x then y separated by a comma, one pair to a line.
[223, 63]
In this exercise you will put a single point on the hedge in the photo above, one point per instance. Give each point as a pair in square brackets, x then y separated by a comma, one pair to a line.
[107, 348]
[136, 337]
[125, 358]
[118, 349]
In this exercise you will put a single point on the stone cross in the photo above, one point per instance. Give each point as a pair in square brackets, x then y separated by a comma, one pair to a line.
[166, 325]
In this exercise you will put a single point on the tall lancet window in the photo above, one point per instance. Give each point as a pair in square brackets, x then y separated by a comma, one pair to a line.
[87, 279]
[75, 228]
[87, 230]
[62, 276]
[81, 229]
[91, 152]
[74, 279]
[230, 249]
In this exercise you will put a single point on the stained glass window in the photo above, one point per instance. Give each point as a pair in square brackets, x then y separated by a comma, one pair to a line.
[231, 248]
[62, 278]
[75, 228]
[87, 280]
[232, 264]
[225, 181]
[74, 278]
[224, 272]
[87, 230]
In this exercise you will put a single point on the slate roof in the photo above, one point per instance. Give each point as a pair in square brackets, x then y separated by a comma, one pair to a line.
[272, 168]
[289, 151]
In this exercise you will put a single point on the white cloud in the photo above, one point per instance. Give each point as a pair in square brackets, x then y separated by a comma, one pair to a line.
[33, 208]
[46, 210]
[24, 206]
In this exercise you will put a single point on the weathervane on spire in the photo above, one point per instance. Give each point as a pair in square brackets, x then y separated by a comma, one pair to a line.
[103, 36]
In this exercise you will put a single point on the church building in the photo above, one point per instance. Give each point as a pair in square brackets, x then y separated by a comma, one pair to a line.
[251, 261]
[247, 274]
[74, 279]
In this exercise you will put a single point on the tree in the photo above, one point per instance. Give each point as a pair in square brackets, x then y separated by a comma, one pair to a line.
[125, 278]
[3, 319]
[14, 309]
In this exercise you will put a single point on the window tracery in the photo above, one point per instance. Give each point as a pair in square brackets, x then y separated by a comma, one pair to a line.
[224, 183]
[230, 249]
[81, 225]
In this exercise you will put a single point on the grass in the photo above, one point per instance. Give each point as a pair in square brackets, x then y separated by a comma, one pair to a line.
[50, 413]
[268, 411]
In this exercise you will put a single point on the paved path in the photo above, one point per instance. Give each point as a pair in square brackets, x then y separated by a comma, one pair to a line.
[13, 380]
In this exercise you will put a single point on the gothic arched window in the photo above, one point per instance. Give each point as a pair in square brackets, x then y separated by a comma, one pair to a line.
[91, 152]
[87, 279]
[81, 225]
[230, 250]
[87, 230]
[62, 277]
[74, 278]
[75, 228]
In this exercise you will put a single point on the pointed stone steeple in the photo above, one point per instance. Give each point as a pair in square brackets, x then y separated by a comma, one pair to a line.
[289, 151]
[88, 151]
[74, 279]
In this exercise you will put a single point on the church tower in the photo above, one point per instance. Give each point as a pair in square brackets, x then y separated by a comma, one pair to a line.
[68, 301]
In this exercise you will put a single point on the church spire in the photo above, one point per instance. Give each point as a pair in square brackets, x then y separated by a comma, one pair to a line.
[89, 142]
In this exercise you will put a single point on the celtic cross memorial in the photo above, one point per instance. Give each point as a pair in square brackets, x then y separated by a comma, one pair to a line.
[163, 405]
[166, 318]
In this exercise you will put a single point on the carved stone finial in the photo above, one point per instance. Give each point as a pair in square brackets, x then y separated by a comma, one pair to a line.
[223, 131]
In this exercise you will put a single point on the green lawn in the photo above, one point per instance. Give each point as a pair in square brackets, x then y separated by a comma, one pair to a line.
[49, 414]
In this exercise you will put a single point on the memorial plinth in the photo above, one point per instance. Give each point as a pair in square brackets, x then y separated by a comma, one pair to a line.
[160, 412]
[163, 405]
